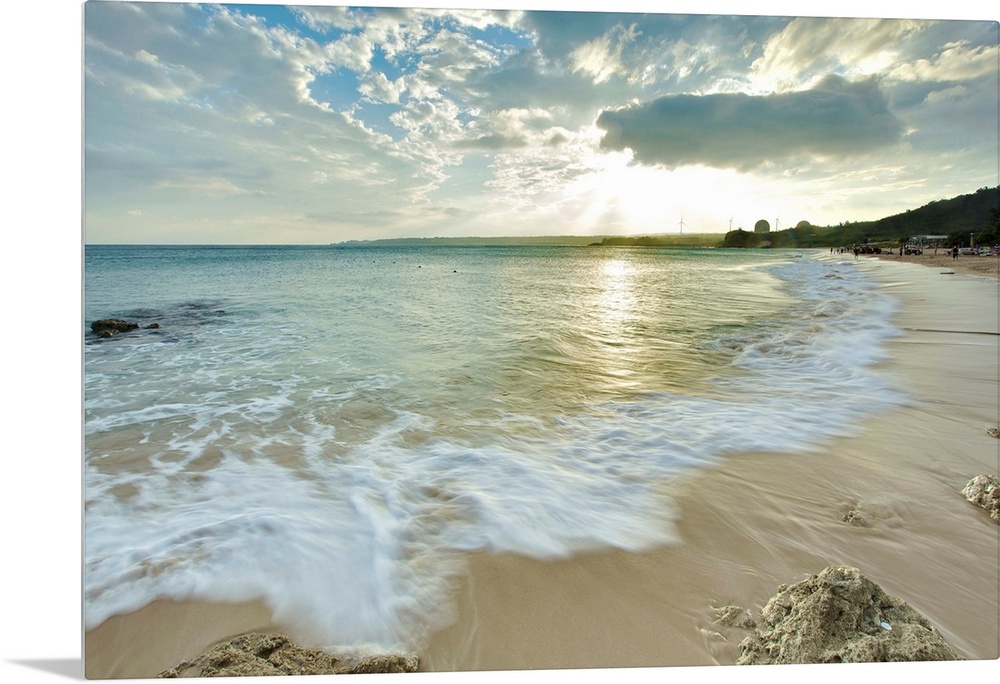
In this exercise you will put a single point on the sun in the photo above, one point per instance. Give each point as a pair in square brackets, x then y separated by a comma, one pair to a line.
[619, 197]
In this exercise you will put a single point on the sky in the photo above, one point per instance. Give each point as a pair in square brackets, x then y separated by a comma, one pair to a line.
[318, 124]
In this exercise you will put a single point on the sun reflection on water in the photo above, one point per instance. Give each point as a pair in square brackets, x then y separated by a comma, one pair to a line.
[615, 315]
[616, 299]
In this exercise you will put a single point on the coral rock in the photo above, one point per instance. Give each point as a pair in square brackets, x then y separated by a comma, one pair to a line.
[256, 655]
[984, 491]
[734, 616]
[838, 616]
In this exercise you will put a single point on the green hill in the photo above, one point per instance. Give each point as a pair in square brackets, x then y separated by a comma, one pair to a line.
[976, 215]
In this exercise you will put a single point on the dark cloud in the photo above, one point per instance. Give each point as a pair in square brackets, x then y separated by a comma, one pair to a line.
[557, 139]
[834, 119]
[558, 33]
[524, 81]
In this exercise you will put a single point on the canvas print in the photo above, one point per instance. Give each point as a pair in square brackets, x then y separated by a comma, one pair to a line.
[426, 339]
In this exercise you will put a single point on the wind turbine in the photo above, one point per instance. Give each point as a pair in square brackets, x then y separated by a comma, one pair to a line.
[682, 224]
[776, 223]
[730, 224]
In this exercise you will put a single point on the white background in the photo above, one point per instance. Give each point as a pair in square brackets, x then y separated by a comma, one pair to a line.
[41, 449]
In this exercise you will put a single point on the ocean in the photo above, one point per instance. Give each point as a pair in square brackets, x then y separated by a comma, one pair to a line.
[331, 429]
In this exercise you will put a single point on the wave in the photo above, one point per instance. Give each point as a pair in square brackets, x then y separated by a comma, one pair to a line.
[360, 541]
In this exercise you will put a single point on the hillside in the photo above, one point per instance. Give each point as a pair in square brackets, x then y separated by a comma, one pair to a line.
[976, 215]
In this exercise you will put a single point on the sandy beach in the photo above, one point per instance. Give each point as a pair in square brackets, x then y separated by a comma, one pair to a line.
[974, 265]
[762, 520]
[757, 521]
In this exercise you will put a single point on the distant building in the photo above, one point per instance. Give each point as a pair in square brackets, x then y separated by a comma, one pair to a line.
[762, 226]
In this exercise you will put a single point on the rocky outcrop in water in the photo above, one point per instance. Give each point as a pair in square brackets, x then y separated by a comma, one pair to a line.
[258, 655]
[108, 327]
[984, 491]
[839, 616]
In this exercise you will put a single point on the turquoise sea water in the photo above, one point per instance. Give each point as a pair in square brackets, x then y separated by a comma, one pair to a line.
[329, 429]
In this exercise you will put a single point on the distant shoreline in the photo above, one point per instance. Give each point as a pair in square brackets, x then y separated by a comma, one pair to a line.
[702, 241]
[694, 240]
[691, 240]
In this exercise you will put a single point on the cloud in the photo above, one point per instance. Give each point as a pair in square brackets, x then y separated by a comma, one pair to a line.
[511, 129]
[169, 86]
[898, 50]
[955, 62]
[533, 176]
[323, 18]
[809, 48]
[211, 186]
[378, 88]
[492, 141]
[833, 119]
[351, 52]
[601, 57]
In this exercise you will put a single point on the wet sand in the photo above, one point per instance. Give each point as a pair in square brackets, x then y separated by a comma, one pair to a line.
[164, 633]
[756, 521]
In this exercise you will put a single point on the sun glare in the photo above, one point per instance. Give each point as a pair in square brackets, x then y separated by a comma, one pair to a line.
[621, 198]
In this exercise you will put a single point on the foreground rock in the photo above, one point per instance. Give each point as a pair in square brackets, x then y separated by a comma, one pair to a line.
[257, 655]
[839, 616]
[984, 491]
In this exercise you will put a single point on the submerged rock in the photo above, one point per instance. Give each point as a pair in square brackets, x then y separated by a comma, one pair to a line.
[256, 655]
[857, 518]
[839, 616]
[984, 491]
